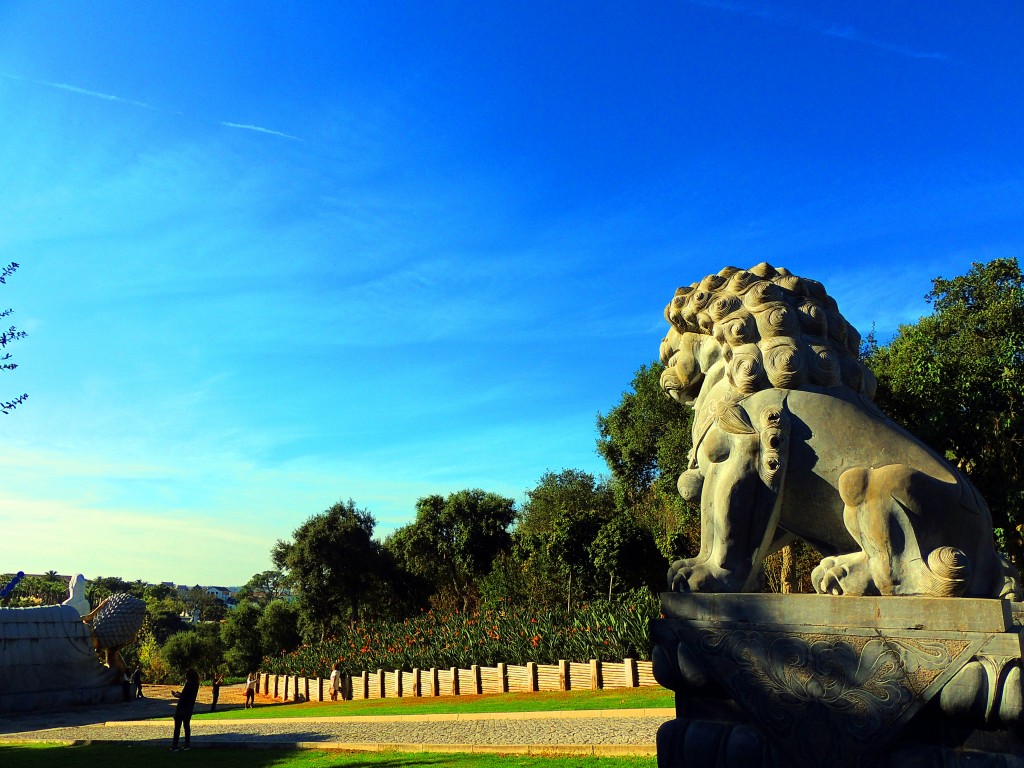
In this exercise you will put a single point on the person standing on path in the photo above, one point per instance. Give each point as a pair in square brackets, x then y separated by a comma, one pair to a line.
[218, 680]
[335, 676]
[137, 684]
[186, 703]
[250, 691]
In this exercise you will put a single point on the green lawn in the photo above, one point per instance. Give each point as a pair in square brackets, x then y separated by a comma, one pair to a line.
[107, 755]
[613, 698]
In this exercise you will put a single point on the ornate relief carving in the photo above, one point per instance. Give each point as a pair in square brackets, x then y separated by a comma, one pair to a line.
[823, 698]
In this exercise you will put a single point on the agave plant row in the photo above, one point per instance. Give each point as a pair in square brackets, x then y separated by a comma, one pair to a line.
[603, 630]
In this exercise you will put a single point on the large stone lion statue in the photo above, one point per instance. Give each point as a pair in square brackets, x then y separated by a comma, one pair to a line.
[788, 443]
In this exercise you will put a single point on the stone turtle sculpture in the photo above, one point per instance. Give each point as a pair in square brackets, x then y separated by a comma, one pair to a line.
[116, 623]
[787, 442]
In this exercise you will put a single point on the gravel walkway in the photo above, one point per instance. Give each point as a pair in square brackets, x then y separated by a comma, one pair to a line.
[605, 732]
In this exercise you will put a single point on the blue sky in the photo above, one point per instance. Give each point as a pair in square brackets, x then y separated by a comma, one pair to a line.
[275, 255]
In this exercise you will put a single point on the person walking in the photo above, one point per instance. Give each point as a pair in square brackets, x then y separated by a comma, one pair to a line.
[215, 684]
[335, 680]
[137, 684]
[250, 691]
[186, 703]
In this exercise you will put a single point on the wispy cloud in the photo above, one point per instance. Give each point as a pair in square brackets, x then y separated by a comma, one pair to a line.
[258, 129]
[854, 36]
[82, 91]
[132, 102]
[801, 21]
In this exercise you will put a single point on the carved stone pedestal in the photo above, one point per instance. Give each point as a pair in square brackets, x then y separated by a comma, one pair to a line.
[818, 680]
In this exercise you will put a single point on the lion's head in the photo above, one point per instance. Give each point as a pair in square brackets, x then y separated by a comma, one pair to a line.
[769, 329]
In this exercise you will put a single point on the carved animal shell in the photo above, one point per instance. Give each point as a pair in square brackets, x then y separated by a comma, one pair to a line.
[119, 621]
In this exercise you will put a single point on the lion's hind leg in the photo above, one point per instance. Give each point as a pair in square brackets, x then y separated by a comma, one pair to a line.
[885, 510]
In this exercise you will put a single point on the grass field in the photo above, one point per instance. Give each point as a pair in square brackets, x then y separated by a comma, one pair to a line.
[107, 755]
[613, 698]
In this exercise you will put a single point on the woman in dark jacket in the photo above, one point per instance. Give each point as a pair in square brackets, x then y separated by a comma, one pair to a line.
[186, 703]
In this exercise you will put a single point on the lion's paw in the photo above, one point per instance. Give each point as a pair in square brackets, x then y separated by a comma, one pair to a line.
[842, 575]
[690, 576]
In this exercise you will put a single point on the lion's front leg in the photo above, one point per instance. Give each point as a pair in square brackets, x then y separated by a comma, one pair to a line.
[736, 510]
[691, 486]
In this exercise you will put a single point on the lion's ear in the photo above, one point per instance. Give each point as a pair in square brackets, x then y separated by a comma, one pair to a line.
[733, 419]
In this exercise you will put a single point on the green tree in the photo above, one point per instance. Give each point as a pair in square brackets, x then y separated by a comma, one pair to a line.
[199, 602]
[334, 562]
[955, 378]
[549, 562]
[163, 618]
[627, 553]
[454, 541]
[264, 587]
[158, 592]
[191, 648]
[9, 336]
[243, 643]
[645, 441]
[154, 667]
[278, 627]
[574, 506]
[40, 590]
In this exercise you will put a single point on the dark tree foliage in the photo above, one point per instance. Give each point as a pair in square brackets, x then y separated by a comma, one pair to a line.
[104, 586]
[645, 440]
[956, 379]
[627, 554]
[192, 648]
[163, 618]
[559, 521]
[570, 545]
[454, 541]
[570, 493]
[264, 587]
[201, 603]
[243, 642]
[9, 336]
[334, 562]
[278, 627]
[36, 590]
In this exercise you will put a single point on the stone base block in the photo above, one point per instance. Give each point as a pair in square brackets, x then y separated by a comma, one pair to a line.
[818, 680]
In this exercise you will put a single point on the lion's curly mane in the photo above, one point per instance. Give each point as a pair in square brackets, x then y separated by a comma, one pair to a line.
[775, 329]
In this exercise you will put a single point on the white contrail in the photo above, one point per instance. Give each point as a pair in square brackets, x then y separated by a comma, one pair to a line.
[81, 91]
[811, 24]
[258, 129]
[118, 99]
